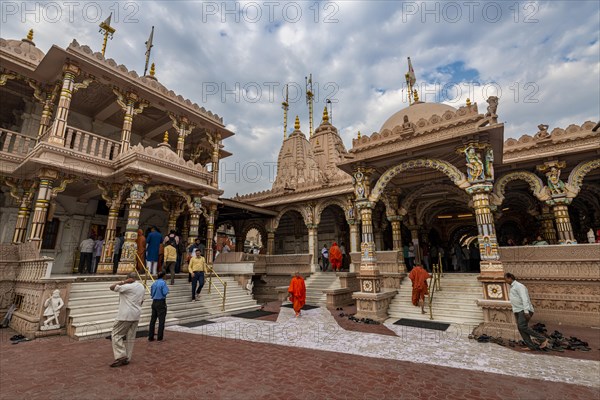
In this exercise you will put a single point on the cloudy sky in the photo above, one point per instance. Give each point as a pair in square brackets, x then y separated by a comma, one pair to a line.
[541, 58]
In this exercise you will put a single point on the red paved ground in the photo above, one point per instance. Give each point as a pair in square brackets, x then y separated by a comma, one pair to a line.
[187, 366]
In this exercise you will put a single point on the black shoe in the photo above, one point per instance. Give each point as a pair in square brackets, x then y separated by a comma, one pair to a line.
[151, 339]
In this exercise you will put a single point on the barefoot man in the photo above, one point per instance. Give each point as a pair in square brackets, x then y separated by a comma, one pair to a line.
[419, 277]
[297, 291]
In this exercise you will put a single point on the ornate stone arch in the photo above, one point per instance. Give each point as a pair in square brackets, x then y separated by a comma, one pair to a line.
[457, 177]
[535, 183]
[170, 189]
[306, 214]
[407, 202]
[578, 173]
[260, 227]
[323, 204]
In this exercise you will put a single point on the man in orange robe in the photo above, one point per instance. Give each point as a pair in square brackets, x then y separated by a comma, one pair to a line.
[419, 277]
[335, 257]
[141, 250]
[297, 291]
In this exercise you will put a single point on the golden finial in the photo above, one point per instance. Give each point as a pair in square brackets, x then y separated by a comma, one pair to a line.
[325, 115]
[152, 70]
[358, 134]
[297, 124]
[166, 137]
[468, 102]
[416, 95]
[30, 35]
[317, 142]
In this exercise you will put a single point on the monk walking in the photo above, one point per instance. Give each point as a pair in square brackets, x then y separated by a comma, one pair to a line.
[141, 250]
[419, 277]
[335, 257]
[297, 291]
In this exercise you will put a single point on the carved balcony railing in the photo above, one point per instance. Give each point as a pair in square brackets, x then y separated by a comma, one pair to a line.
[15, 143]
[91, 144]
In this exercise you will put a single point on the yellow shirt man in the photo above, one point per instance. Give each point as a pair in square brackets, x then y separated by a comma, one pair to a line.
[197, 264]
[170, 253]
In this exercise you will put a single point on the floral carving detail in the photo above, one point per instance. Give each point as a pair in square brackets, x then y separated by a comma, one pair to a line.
[494, 291]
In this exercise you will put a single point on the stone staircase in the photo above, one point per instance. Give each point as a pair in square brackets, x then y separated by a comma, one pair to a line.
[92, 306]
[318, 282]
[455, 303]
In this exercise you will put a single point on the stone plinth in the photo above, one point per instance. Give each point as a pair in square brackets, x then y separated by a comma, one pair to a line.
[373, 305]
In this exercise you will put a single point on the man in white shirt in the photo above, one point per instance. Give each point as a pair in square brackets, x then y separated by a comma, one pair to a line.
[523, 310]
[131, 297]
[86, 252]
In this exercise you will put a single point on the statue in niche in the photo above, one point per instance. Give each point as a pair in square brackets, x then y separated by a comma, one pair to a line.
[474, 165]
[53, 306]
[489, 163]
[555, 185]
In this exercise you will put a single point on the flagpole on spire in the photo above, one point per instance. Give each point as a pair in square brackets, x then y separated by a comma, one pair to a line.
[286, 106]
[149, 46]
[411, 79]
[107, 31]
[309, 101]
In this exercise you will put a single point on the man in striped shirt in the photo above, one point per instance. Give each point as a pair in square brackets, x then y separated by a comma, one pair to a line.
[523, 310]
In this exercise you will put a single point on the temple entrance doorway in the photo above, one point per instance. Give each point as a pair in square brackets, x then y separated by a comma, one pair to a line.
[464, 249]
[333, 227]
[291, 236]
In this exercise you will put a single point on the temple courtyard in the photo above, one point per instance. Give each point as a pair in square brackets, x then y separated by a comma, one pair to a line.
[320, 355]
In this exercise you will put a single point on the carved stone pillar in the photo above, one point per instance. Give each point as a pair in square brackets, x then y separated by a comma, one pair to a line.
[185, 232]
[113, 196]
[137, 197]
[25, 199]
[396, 221]
[195, 208]
[354, 237]
[184, 128]
[215, 141]
[313, 245]
[547, 222]
[488, 244]
[47, 179]
[128, 103]
[270, 241]
[57, 135]
[210, 232]
[560, 208]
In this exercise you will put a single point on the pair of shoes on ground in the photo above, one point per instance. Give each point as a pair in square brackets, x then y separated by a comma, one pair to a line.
[17, 337]
[120, 362]
[152, 339]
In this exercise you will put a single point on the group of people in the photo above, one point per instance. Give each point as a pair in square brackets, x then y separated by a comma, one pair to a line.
[336, 256]
[518, 295]
[90, 252]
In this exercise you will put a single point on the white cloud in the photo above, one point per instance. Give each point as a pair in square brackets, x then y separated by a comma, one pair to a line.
[362, 54]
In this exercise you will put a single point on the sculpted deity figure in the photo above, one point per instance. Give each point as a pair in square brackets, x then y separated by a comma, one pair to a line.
[492, 108]
[487, 246]
[474, 164]
[489, 163]
[53, 306]
[555, 185]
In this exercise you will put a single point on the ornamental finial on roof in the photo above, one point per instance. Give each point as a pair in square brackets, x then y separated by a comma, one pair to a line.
[30, 35]
[297, 124]
[468, 102]
[152, 70]
[166, 137]
[325, 115]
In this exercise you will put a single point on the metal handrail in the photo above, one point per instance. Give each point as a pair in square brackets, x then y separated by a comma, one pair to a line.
[433, 285]
[223, 295]
[146, 273]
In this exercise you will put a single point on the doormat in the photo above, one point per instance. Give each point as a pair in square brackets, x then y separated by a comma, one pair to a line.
[196, 323]
[253, 314]
[438, 326]
[305, 308]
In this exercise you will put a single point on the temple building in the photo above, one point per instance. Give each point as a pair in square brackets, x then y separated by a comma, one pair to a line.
[88, 147]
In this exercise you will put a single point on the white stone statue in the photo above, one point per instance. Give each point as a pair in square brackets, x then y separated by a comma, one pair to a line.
[590, 236]
[53, 306]
[250, 286]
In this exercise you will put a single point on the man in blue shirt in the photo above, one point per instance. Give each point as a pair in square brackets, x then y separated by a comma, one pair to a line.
[158, 292]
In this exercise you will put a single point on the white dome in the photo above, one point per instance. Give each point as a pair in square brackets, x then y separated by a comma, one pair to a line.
[415, 112]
